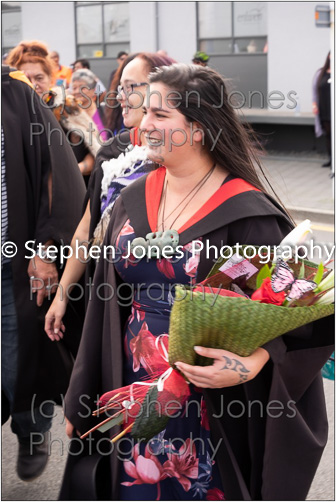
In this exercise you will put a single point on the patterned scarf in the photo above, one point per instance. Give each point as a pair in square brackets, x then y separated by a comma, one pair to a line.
[119, 173]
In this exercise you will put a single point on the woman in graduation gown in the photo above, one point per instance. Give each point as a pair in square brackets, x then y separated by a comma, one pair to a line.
[267, 434]
[132, 91]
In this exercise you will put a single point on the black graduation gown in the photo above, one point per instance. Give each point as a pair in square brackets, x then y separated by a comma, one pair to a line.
[112, 150]
[260, 457]
[35, 146]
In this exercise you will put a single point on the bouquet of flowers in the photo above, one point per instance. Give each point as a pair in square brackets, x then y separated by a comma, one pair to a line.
[243, 303]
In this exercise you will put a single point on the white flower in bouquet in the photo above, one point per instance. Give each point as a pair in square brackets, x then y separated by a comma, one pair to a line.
[294, 238]
[327, 283]
[329, 297]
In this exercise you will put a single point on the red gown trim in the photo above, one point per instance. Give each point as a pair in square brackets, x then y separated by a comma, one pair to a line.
[154, 187]
[153, 191]
[135, 137]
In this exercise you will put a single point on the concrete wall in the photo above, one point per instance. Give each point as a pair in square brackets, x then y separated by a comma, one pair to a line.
[143, 27]
[246, 74]
[162, 25]
[52, 22]
[296, 49]
[177, 29]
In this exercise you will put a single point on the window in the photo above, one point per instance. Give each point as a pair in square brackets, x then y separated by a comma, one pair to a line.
[232, 27]
[102, 29]
[11, 25]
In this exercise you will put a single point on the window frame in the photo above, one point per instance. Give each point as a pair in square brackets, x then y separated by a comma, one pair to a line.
[104, 43]
[12, 8]
[231, 39]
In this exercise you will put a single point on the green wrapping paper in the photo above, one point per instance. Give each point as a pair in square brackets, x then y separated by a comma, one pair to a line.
[239, 325]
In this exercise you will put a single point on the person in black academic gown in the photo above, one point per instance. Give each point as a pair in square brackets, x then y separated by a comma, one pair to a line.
[134, 69]
[42, 196]
[204, 151]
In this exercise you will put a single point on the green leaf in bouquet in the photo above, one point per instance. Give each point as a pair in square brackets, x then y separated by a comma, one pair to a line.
[263, 273]
[302, 271]
[150, 421]
[319, 274]
[111, 423]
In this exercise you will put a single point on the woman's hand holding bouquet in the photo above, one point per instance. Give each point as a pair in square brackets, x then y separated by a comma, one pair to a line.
[217, 332]
[227, 370]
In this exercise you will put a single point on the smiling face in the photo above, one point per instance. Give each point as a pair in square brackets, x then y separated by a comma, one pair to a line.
[38, 77]
[169, 136]
[132, 102]
[80, 91]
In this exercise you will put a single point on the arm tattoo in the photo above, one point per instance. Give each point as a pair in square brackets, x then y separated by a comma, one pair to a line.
[236, 365]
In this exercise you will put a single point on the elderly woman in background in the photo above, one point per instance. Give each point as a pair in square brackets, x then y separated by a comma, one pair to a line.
[83, 85]
[100, 89]
[32, 58]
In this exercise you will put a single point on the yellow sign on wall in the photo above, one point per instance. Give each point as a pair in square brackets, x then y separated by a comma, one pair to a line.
[98, 54]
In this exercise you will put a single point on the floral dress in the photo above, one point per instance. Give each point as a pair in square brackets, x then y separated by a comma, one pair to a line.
[178, 463]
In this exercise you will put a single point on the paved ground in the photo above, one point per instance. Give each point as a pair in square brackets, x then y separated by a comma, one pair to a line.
[302, 185]
[307, 189]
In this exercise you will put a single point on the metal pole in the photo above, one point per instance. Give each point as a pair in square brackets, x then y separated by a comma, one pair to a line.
[157, 34]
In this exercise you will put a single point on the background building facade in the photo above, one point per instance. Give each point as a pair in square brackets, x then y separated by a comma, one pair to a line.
[261, 46]
[269, 51]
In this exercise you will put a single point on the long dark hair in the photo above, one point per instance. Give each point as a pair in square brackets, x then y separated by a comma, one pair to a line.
[153, 60]
[202, 90]
[324, 69]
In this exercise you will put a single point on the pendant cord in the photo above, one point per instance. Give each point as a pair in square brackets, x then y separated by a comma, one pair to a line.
[197, 187]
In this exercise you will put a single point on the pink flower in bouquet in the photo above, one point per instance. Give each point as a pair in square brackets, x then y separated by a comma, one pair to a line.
[183, 465]
[145, 469]
[265, 294]
[215, 494]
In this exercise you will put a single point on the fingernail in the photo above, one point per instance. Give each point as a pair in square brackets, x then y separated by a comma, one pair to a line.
[197, 347]
[56, 331]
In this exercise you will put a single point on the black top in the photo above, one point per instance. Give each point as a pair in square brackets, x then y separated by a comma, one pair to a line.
[324, 98]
